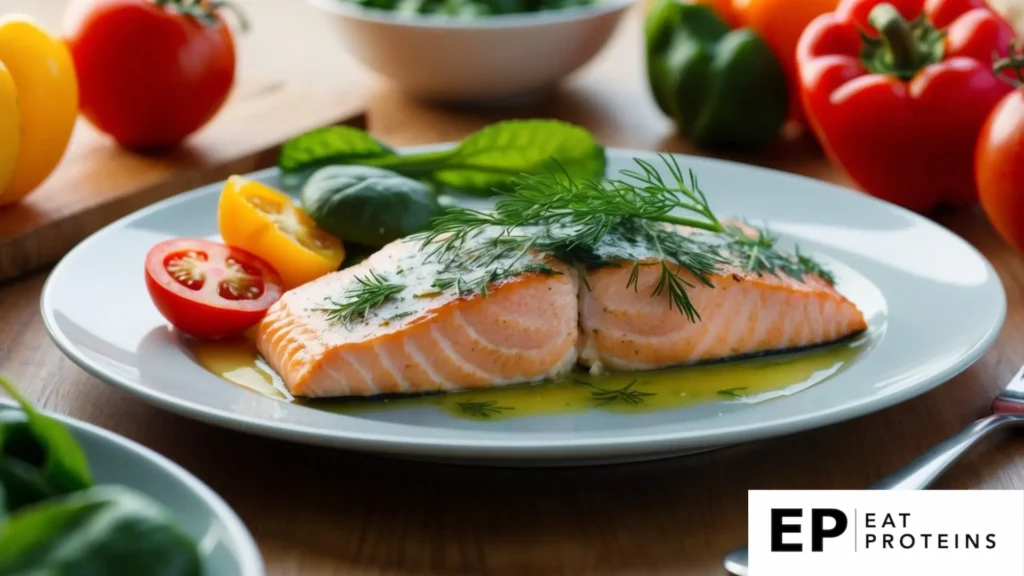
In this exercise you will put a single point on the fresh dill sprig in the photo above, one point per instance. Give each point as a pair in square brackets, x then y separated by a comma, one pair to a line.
[592, 223]
[732, 392]
[368, 293]
[573, 213]
[483, 409]
[625, 394]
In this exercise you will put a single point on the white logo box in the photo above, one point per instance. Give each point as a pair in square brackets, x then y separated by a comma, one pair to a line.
[931, 532]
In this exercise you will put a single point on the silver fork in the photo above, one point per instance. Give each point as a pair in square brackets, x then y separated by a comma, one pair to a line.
[1007, 410]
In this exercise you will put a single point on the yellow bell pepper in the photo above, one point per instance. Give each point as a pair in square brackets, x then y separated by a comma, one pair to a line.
[38, 105]
[256, 218]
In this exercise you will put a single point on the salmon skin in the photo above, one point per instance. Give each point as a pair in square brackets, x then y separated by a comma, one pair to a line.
[539, 322]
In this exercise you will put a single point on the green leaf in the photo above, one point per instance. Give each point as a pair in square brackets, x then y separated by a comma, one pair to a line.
[45, 444]
[330, 145]
[367, 205]
[495, 155]
[108, 530]
[484, 162]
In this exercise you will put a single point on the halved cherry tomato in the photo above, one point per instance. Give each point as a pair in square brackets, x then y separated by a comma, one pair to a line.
[209, 290]
[268, 223]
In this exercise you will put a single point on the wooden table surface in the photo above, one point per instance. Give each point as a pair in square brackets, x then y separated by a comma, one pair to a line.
[317, 511]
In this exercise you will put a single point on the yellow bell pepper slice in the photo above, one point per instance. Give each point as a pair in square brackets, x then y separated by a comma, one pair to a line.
[47, 87]
[10, 127]
[257, 218]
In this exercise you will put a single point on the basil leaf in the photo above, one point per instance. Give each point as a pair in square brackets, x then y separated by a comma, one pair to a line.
[329, 145]
[43, 444]
[107, 530]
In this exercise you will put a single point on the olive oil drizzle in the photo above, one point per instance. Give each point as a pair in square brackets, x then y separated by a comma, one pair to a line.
[744, 381]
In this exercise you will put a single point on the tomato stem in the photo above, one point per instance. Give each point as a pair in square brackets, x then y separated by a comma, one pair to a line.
[1013, 62]
[205, 11]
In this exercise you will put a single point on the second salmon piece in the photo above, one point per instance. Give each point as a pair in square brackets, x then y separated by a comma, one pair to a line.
[624, 328]
[423, 339]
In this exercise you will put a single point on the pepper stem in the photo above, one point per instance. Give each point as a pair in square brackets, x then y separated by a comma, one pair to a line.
[896, 32]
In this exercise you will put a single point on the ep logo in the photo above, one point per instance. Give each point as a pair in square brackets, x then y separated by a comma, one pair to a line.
[823, 523]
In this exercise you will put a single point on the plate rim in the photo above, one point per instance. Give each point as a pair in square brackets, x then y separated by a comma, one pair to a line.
[250, 560]
[472, 449]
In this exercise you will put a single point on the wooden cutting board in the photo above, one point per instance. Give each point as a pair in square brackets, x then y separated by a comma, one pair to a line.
[98, 182]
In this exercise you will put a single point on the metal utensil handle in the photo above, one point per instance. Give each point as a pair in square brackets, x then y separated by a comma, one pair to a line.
[924, 470]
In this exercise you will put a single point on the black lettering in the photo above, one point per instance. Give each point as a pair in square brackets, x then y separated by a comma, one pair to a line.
[818, 532]
[991, 538]
[869, 520]
[886, 540]
[779, 528]
[925, 537]
[973, 540]
[869, 540]
[903, 541]
[943, 541]
[888, 522]
[904, 515]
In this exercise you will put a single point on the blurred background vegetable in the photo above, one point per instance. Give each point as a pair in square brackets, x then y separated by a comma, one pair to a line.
[901, 109]
[1000, 158]
[725, 9]
[38, 105]
[152, 72]
[780, 23]
[723, 88]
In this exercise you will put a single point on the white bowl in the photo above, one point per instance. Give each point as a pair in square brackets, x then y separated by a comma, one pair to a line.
[490, 57]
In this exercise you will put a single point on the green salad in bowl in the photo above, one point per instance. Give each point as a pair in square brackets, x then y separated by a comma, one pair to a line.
[474, 50]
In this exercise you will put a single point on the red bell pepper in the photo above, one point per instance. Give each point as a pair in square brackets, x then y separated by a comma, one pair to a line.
[897, 92]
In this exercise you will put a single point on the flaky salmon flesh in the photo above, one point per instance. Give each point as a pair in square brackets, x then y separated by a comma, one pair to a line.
[532, 326]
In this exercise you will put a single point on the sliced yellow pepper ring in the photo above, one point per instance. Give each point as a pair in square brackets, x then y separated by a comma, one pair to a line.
[256, 218]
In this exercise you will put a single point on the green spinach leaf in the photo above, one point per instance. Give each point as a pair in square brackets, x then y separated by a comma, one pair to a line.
[37, 453]
[485, 162]
[108, 530]
[368, 206]
[330, 145]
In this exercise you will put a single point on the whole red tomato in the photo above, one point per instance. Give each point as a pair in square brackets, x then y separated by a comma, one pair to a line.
[999, 163]
[151, 72]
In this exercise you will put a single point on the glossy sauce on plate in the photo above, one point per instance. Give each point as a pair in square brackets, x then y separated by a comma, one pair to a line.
[748, 381]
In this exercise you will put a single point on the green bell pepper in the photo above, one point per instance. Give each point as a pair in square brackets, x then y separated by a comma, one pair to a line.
[723, 88]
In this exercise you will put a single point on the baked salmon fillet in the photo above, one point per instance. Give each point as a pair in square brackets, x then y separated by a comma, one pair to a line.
[624, 328]
[421, 339]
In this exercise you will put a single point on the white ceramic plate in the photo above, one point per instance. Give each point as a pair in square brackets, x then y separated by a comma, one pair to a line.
[934, 305]
[225, 544]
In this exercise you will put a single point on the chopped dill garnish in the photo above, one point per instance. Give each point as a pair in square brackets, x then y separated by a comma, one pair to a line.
[732, 392]
[466, 281]
[387, 321]
[625, 394]
[370, 292]
[483, 409]
[758, 254]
